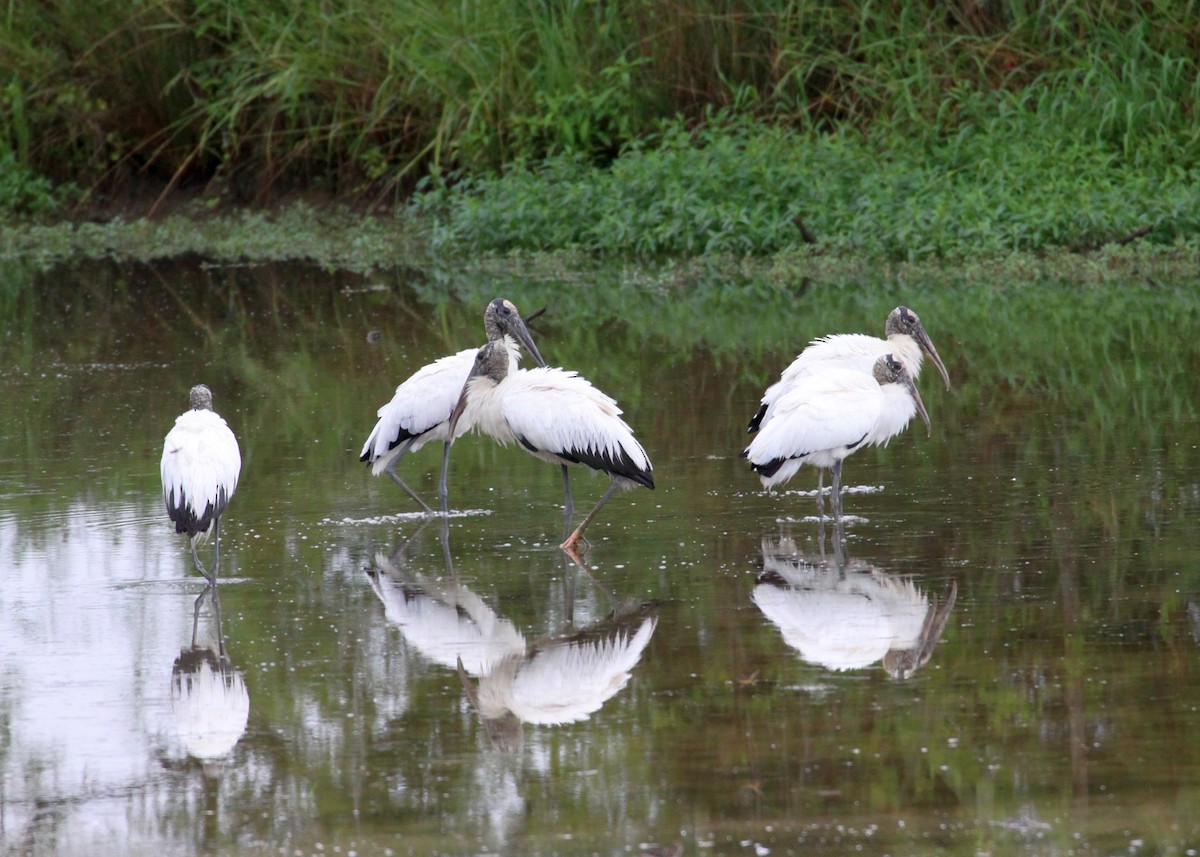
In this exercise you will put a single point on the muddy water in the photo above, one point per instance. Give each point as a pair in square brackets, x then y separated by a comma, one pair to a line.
[1003, 659]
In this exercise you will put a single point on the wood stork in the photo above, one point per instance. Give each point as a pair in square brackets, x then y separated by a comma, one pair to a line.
[555, 415]
[849, 615]
[830, 414]
[442, 618]
[419, 412]
[200, 466]
[905, 338]
[561, 678]
[209, 700]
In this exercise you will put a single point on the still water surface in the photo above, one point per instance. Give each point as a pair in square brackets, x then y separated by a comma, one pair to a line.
[1004, 660]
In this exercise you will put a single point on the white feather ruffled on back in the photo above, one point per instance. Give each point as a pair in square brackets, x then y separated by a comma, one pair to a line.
[818, 419]
[420, 409]
[565, 682]
[854, 351]
[200, 467]
[558, 412]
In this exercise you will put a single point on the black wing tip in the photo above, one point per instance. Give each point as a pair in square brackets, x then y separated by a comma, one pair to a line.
[768, 468]
[644, 478]
[622, 466]
[770, 577]
[756, 420]
[188, 522]
[405, 436]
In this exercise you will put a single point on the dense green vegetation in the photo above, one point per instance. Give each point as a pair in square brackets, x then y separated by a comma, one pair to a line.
[899, 131]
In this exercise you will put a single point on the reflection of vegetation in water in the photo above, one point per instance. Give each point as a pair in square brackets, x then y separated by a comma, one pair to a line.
[1102, 350]
[1102, 356]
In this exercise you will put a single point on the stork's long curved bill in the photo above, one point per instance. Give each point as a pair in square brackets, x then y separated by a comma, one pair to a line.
[912, 391]
[927, 346]
[934, 624]
[521, 333]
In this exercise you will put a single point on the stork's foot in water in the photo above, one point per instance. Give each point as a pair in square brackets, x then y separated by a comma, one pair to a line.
[573, 553]
[574, 543]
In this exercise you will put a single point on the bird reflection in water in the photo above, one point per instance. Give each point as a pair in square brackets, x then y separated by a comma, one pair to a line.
[209, 701]
[563, 677]
[844, 614]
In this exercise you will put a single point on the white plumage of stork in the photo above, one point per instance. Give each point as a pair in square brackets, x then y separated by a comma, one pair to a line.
[560, 678]
[555, 415]
[443, 619]
[210, 703]
[904, 338]
[200, 467]
[419, 412]
[566, 678]
[209, 699]
[830, 414]
[849, 616]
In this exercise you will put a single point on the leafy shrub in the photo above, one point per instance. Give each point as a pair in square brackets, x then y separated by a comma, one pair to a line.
[22, 191]
[1006, 181]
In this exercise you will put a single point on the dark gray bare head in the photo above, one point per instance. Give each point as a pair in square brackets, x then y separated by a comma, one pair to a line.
[902, 321]
[491, 362]
[889, 370]
[500, 318]
[200, 398]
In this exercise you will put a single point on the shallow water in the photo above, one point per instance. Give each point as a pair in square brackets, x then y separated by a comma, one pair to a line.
[1003, 660]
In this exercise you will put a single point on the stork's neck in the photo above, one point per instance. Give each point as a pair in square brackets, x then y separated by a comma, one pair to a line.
[900, 409]
[907, 351]
[514, 353]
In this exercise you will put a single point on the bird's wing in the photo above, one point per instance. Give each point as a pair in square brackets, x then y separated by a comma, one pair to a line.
[836, 630]
[901, 601]
[826, 412]
[856, 351]
[421, 406]
[201, 463]
[557, 411]
[567, 683]
[783, 562]
[211, 708]
[448, 626]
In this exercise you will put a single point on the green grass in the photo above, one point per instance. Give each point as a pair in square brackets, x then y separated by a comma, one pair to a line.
[742, 188]
[653, 127]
